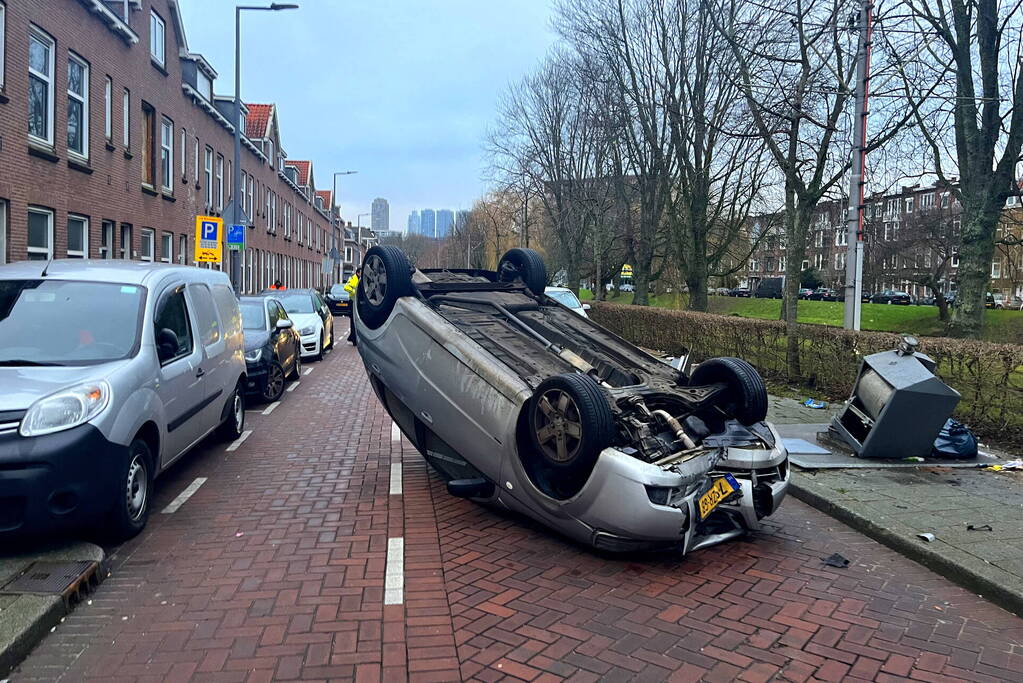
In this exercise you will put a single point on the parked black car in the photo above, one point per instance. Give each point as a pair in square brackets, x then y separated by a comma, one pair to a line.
[892, 296]
[273, 351]
[739, 291]
[865, 297]
[770, 288]
[824, 294]
[339, 300]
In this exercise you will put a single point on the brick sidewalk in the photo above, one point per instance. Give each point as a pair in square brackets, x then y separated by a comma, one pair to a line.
[275, 570]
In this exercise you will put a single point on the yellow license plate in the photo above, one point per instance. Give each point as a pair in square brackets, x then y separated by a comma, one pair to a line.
[721, 489]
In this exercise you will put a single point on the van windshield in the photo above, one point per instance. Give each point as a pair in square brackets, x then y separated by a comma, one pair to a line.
[63, 322]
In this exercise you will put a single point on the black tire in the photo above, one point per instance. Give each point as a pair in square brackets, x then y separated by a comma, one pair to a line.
[526, 265]
[746, 395]
[570, 423]
[319, 354]
[296, 367]
[275, 380]
[331, 330]
[386, 277]
[134, 488]
[234, 423]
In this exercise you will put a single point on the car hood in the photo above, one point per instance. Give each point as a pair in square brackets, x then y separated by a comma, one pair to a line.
[304, 319]
[255, 339]
[24, 385]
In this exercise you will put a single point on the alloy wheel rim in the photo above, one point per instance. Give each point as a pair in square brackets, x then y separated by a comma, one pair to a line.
[275, 382]
[239, 412]
[375, 278]
[558, 425]
[137, 489]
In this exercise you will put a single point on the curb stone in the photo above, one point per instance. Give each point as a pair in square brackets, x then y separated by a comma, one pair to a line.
[986, 581]
[26, 619]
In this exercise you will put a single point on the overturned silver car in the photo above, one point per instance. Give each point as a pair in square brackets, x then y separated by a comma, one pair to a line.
[518, 401]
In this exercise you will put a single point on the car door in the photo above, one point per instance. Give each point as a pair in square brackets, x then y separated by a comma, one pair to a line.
[289, 337]
[216, 366]
[277, 340]
[179, 385]
[325, 314]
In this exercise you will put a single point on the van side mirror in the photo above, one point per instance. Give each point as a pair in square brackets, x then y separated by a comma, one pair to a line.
[166, 344]
[286, 324]
[586, 307]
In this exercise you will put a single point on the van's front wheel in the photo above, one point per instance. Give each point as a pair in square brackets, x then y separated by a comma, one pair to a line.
[234, 425]
[134, 483]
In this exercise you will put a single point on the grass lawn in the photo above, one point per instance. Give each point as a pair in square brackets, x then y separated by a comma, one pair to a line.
[1000, 326]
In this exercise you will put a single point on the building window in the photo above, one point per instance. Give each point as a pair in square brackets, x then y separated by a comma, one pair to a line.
[167, 154]
[205, 84]
[146, 244]
[77, 237]
[3, 229]
[182, 249]
[148, 145]
[927, 201]
[77, 107]
[996, 269]
[125, 240]
[804, 265]
[40, 87]
[220, 182]
[195, 152]
[106, 240]
[40, 234]
[3, 50]
[909, 205]
[166, 246]
[252, 182]
[108, 109]
[184, 155]
[944, 200]
[126, 119]
[208, 174]
[157, 39]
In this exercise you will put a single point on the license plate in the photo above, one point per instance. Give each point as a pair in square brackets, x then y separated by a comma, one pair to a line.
[719, 490]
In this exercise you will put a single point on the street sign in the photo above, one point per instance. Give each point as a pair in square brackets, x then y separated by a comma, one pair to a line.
[626, 270]
[236, 237]
[209, 239]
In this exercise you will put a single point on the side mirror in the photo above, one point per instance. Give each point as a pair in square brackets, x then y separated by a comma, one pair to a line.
[285, 324]
[166, 344]
[586, 307]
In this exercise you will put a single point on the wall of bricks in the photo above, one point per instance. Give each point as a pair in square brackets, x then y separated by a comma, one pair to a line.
[108, 185]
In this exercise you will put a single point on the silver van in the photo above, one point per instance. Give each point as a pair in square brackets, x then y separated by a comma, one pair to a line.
[109, 372]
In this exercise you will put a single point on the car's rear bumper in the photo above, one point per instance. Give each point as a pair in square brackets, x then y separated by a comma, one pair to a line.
[56, 481]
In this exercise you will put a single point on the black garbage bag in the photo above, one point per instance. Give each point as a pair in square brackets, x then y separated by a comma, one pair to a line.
[955, 442]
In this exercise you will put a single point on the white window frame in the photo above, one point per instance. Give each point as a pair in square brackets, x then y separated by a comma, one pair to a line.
[84, 252]
[166, 255]
[184, 154]
[220, 182]
[3, 226]
[909, 205]
[252, 183]
[126, 119]
[195, 150]
[35, 33]
[151, 256]
[3, 62]
[208, 176]
[107, 229]
[996, 270]
[157, 25]
[108, 109]
[167, 154]
[48, 250]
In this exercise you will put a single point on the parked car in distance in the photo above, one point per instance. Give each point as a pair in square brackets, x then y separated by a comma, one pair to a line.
[721, 291]
[865, 297]
[770, 288]
[892, 296]
[312, 318]
[926, 301]
[566, 297]
[273, 350]
[111, 371]
[739, 291]
[824, 294]
[339, 300]
[627, 287]
[998, 301]
[805, 292]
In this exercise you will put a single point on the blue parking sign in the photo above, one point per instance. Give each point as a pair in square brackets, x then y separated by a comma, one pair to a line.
[236, 234]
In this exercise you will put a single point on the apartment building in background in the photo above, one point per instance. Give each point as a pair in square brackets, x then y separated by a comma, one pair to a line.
[428, 223]
[381, 215]
[114, 140]
[413, 223]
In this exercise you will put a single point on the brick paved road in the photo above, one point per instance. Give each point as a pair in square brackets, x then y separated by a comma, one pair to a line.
[275, 569]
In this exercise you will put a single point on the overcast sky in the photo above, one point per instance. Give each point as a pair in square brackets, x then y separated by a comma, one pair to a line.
[402, 91]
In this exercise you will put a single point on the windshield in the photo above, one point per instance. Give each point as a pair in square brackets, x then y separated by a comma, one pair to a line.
[253, 315]
[565, 298]
[338, 292]
[60, 322]
[299, 302]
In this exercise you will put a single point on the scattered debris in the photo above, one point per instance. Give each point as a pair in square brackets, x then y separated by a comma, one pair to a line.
[815, 404]
[983, 527]
[1011, 466]
[836, 560]
[914, 458]
[927, 537]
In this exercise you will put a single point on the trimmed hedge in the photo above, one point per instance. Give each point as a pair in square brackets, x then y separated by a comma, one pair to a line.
[989, 376]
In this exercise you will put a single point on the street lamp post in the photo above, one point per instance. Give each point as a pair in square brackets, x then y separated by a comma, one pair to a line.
[237, 215]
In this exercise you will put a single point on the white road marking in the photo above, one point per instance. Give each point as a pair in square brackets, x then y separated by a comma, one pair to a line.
[394, 573]
[239, 441]
[395, 478]
[183, 497]
[293, 386]
[270, 408]
[306, 371]
[395, 432]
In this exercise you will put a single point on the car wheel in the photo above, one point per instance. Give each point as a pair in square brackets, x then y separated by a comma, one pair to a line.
[746, 394]
[570, 422]
[319, 352]
[386, 277]
[526, 265]
[135, 480]
[234, 425]
[296, 367]
[274, 387]
[330, 344]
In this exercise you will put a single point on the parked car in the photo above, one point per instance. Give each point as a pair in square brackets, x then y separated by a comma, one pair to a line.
[770, 288]
[805, 292]
[627, 287]
[339, 300]
[567, 298]
[998, 301]
[518, 402]
[721, 291]
[273, 350]
[925, 301]
[825, 294]
[865, 297]
[739, 291]
[111, 371]
[892, 296]
[312, 318]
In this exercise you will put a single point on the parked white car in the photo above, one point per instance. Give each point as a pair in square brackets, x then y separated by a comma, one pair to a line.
[567, 298]
[312, 318]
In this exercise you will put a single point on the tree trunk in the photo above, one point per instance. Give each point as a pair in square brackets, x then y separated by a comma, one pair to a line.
[975, 255]
[696, 273]
[797, 219]
[942, 304]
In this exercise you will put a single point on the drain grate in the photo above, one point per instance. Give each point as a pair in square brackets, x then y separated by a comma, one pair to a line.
[53, 578]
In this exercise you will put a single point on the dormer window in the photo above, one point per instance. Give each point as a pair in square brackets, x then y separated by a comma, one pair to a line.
[157, 39]
[205, 85]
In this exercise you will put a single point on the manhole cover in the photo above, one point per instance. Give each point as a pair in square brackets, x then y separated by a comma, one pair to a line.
[49, 578]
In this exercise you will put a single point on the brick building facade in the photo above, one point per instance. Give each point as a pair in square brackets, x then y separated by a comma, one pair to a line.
[113, 140]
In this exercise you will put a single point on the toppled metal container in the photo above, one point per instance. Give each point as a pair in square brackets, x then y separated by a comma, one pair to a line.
[897, 406]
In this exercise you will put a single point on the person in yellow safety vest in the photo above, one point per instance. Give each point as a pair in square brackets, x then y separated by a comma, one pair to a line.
[350, 287]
